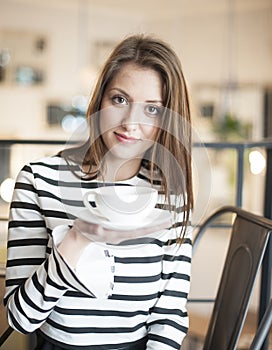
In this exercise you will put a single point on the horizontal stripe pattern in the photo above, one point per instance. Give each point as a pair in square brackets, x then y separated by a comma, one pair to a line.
[150, 280]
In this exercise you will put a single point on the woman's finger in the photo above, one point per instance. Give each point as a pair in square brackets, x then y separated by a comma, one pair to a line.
[97, 233]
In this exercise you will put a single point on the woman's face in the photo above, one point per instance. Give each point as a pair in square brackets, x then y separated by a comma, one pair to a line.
[131, 111]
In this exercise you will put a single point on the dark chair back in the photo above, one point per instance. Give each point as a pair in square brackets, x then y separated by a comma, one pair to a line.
[249, 238]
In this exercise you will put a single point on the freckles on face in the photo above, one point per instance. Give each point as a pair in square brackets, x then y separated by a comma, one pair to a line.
[131, 110]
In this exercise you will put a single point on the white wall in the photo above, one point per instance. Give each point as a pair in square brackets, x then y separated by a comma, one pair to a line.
[200, 37]
[202, 40]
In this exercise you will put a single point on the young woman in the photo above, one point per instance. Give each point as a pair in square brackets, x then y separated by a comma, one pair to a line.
[77, 284]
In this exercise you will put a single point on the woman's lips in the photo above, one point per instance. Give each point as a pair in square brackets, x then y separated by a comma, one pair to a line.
[125, 138]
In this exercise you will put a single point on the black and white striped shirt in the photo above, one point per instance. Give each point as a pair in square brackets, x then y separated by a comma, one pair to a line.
[116, 295]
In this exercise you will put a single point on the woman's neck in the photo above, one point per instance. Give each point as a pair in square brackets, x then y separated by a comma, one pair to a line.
[121, 169]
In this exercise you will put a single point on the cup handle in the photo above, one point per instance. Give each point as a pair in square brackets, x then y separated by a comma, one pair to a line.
[94, 211]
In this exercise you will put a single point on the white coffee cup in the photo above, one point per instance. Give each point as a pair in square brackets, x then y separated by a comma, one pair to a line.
[121, 204]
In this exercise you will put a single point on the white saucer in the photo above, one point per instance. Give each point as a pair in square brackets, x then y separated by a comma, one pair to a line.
[157, 216]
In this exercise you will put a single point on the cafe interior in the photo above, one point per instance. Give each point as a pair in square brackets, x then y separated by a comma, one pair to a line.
[50, 54]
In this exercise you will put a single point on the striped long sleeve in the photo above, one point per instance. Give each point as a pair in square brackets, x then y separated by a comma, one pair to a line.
[36, 274]
[168, 321]
[146, 284]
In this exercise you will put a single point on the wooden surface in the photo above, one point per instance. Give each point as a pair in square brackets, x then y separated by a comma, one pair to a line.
[3, 318]
[199, 325]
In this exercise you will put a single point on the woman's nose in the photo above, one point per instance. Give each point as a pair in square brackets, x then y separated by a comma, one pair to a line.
[132, 117]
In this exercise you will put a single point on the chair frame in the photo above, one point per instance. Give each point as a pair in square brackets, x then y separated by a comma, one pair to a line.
[248, 242]
[263, 329]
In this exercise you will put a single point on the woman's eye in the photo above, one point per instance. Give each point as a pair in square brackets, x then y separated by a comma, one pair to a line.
[120, 100]
[153, 110]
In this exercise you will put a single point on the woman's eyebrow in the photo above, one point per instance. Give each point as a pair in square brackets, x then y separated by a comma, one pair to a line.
[120, 90]
[154, 101]
[127, 95]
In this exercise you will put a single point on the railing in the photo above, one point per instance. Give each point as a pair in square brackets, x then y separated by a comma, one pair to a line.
[240, 148]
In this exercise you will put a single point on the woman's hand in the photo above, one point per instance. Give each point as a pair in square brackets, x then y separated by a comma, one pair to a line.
[83, 233]
[97, 233]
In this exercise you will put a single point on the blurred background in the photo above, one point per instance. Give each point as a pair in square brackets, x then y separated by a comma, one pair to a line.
[51, 52]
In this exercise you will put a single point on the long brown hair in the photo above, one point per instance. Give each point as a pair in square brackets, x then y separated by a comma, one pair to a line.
[174, 134]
